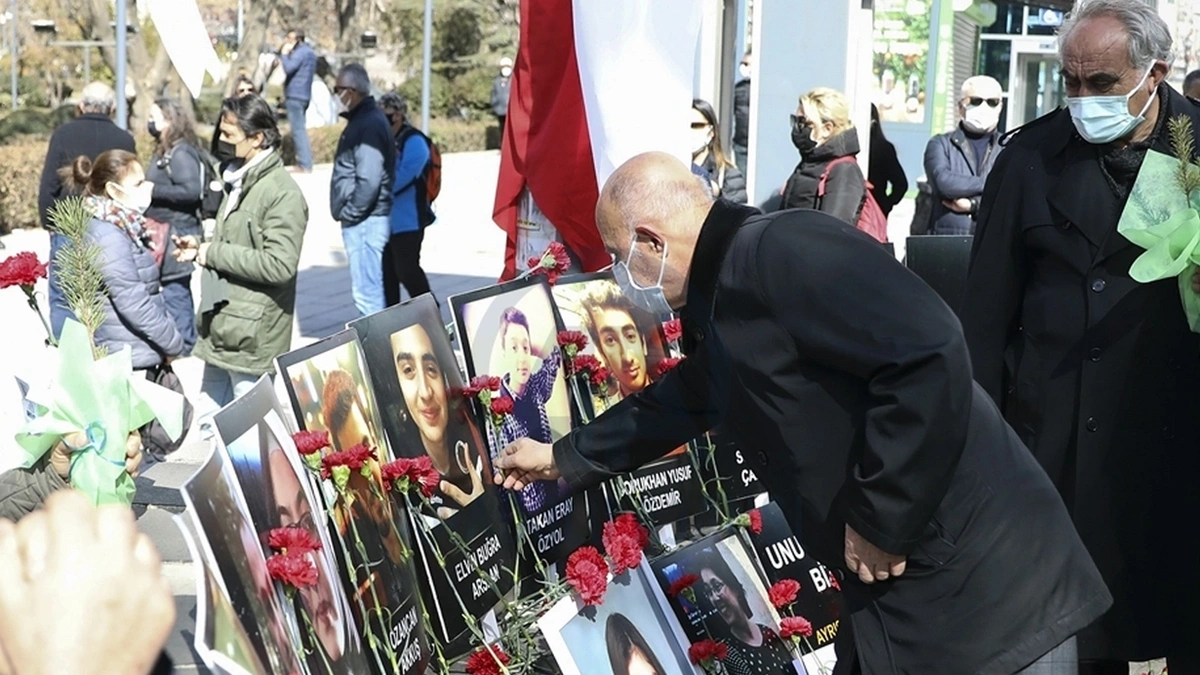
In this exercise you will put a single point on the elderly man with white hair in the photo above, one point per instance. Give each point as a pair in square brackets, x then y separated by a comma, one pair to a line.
[1097, 372]
[89, 134]
[957, 162]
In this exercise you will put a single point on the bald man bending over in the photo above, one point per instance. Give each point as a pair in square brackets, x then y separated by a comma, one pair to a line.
[846, 380]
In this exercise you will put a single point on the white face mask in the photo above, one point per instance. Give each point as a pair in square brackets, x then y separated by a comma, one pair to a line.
[650, 298]
[982, 118]
[700, 140]
[744, 71]
[137, 199]
[1104, 119]
[505, 71]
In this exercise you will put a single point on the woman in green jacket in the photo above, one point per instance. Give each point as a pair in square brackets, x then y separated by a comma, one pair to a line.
[248, 265]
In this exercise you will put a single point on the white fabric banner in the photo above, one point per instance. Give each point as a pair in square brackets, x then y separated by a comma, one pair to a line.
[186, 40]
[637, 60]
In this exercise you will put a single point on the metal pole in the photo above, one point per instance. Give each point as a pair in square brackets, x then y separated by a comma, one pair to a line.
[241, 21]
[122, 102]
[12, 22]
[426, 71]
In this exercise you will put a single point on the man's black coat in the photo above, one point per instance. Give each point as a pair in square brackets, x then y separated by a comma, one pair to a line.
[847, 381]
[1098, 374]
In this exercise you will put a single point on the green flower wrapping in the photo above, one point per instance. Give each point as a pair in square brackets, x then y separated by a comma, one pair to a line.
[106, 400]
[1163, 219]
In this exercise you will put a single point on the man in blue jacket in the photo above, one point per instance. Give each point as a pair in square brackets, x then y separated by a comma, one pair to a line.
[410, 206]
[299, 63]
[360, 194]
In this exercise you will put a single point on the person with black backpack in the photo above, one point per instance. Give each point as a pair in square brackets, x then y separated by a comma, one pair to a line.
[413, 192]
[180, 174]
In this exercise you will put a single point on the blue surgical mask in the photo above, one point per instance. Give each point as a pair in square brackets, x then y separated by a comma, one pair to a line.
[650, 298]
[1104, 119]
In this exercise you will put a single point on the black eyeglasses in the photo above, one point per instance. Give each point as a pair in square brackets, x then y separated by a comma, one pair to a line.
[338, 90]
[799, 121]
[699, 125]
[976, 101]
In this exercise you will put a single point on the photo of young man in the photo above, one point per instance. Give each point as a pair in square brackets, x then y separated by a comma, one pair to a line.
[441, 422]
[330, 391]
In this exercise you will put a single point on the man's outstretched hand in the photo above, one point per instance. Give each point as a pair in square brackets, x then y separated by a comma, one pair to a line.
[869, 562]
[523, 462]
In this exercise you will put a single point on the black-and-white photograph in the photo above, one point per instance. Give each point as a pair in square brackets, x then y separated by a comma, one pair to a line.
[728, 603]
[628, 634]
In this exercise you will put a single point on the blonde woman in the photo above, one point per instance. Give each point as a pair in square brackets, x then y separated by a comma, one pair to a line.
[828, 177]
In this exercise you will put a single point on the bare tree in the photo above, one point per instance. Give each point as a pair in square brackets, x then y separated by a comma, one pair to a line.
[256, 38]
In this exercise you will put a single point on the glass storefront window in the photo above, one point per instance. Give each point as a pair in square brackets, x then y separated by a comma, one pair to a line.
[994, 59]
[1043, 21]
[1010, 19]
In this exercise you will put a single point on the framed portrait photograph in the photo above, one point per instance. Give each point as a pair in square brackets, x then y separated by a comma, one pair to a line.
[330, 390]
[627, 339]
[418, 383]
[510, 331]
[629, 634]
[220, 640]
[728, 603]
[230, 545]
[279, 494]
[820, 598]
[630, 343]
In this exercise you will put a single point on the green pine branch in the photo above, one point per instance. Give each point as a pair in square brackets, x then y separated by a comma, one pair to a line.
[1183, 143]
[78, 266]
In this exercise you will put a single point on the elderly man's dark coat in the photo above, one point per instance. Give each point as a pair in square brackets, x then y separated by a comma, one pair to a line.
[1098, 374]
[847, 382]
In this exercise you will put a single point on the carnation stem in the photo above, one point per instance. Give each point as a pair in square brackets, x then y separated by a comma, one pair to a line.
[33, 304]
[312, 635]
[379, 608]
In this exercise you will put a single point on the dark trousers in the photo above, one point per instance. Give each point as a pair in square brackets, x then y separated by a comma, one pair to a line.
[177, 295]
[402, 266]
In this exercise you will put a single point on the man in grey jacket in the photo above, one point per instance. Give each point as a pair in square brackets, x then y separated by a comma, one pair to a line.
[957, 163]
[360, 193]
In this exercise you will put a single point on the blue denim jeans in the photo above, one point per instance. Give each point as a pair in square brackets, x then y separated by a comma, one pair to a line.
[177, 295]
[296, 119]
[218, 389]
[364, 246]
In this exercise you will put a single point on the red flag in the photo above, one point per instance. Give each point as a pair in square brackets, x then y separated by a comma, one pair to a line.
[546, 144]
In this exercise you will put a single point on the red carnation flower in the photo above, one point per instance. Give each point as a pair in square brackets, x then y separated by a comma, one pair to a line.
[353, 458]
[502, 406]
[487, 661]
[599, 376]
[289, 540]
[586, 365]
[682, 584]
[784, 593]
[292, 569]
[667, 365]
[624, 539]
[587, 573]
[308, 442]
[795, 626]
[752, 521]
[704, 652]
[481, 384]
[572, 342]
[406, 473]
[673, 330]
[554, 262]
[22, 269]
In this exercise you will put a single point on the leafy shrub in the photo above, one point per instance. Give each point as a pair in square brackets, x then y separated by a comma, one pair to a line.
[29, 121]
[21, 160]
[323, 141]
[458, 135]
